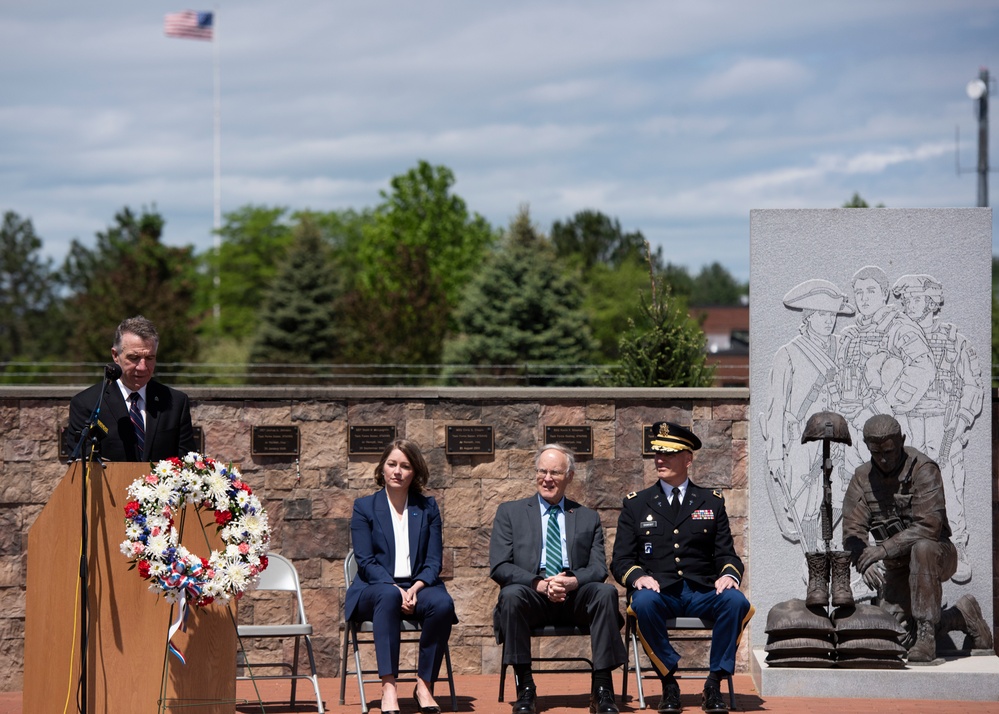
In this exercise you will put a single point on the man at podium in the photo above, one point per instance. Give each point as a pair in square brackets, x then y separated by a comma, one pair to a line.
[140, 419]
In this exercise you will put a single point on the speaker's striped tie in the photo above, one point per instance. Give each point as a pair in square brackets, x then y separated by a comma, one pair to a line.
[136, 416]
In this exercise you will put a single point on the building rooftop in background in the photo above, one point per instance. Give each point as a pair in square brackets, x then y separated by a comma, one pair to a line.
[726, 328]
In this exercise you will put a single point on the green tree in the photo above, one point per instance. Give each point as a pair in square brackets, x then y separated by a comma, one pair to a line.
[522, 308]
[253, 243]
[297, 324]
[857, 202]
[664, 347]
[590, 238]
[611, 266]
[609, 302]
[29, 307]
[131, 272]
[678, 280]
[714, 285]
[417, 254]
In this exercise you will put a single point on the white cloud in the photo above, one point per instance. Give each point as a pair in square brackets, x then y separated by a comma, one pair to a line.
[675, 118]
[755, 76]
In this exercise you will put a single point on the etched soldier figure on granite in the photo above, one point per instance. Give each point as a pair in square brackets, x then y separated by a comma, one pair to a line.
[803, 383]
[897, 498]
[885, 364]
[940, 421]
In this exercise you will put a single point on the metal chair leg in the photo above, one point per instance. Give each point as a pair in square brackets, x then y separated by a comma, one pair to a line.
[638, 671]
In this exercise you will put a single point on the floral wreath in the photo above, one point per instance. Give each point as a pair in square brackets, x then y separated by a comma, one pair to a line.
[152, 542]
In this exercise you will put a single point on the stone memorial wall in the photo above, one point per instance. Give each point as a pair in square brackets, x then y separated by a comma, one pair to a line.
[309, 496]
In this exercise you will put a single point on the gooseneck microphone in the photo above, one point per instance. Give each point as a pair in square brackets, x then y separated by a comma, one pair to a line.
[112, 371]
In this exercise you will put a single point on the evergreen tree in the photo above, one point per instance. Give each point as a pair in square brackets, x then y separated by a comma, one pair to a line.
[664, 347]
[521, 309]
[130, 272]
[29, 307]
[297, 324]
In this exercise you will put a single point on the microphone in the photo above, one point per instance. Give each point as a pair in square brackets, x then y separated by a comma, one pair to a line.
[112, 371]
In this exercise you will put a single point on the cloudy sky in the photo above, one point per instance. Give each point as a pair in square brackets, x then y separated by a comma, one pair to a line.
[677, 118]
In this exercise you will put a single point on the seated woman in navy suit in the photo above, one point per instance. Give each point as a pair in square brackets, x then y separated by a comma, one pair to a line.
[396, 535]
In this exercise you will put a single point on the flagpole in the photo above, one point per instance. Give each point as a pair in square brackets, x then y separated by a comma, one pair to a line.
[217, 140]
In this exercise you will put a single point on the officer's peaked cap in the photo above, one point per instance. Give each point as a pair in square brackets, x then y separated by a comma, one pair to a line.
[670, 437]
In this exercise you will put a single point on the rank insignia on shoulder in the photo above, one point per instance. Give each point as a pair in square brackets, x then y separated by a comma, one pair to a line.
[717, 493]
[632, 494]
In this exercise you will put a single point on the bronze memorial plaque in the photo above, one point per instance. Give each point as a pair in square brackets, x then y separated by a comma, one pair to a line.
[199, 440]
[369, 438]
[66, 442]
[468, 439]
[647, 440]
[274, 441]
[576, 437]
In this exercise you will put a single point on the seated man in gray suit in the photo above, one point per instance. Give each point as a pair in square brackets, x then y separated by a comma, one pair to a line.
[547, 554]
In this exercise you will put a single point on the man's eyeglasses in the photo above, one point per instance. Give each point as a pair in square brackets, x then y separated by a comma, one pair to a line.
[550, 472]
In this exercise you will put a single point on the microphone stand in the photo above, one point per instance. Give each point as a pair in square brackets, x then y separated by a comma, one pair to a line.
[111, 372]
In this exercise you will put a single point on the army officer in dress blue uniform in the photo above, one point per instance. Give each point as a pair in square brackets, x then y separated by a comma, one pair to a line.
[674, 554]
[396, 535]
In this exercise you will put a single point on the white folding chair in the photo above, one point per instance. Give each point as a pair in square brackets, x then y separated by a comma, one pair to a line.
[280, 575]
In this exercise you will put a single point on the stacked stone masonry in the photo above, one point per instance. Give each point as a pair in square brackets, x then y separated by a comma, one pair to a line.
[309, 499]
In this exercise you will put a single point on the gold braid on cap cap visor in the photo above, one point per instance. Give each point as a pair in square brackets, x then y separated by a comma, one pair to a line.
[674, 443]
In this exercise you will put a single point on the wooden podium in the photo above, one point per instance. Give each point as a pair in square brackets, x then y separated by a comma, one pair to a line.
[126, 655]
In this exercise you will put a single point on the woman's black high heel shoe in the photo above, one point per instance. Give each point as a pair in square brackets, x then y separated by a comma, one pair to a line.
[424, 710]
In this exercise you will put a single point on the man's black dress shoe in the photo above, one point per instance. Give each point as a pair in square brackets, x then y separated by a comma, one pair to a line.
[670, 703]
[526, 701]
[434, 709]
[712, 700]
[602, 701]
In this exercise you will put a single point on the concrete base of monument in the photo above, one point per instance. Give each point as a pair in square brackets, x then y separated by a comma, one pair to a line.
[960, 678]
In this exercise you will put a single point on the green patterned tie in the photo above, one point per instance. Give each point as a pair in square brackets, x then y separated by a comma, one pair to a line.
[553, 543]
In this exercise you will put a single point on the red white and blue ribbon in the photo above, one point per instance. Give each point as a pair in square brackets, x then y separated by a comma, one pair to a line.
[184, 578]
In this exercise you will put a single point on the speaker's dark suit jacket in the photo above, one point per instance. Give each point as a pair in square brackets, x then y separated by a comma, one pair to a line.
[168, 423]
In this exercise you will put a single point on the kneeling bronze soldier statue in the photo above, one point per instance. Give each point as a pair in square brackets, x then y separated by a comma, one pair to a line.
[897, 498]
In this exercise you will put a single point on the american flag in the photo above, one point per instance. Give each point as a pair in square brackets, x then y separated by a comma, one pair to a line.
[190, 24]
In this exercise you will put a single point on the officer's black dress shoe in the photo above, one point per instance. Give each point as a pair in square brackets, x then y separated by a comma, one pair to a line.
[526, 701]
[712, 701]
[670, 703]
[602, 701]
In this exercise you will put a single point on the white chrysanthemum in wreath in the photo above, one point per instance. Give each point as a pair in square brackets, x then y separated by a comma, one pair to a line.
[152, 542]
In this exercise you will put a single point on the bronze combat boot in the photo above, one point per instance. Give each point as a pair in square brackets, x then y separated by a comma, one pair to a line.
[966, 616]
[842, 593]
[925, 649]
[818, 580]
